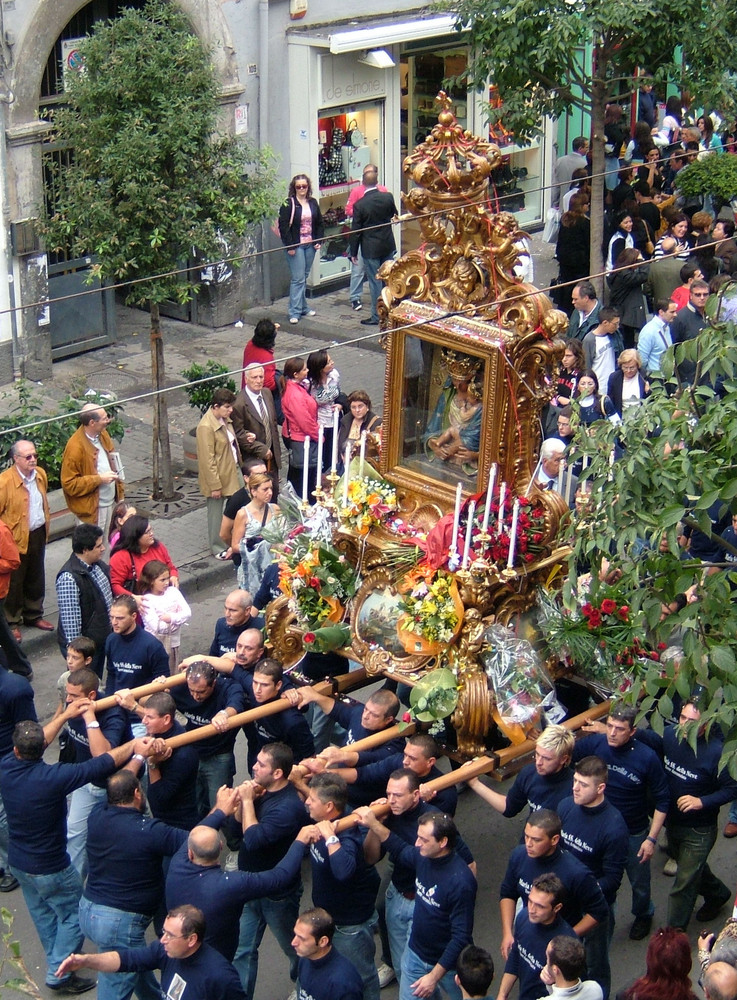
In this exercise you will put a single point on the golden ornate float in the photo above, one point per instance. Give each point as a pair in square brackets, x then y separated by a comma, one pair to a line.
[470, 348]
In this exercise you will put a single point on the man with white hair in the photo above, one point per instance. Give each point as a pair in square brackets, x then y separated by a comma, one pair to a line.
[551, 469]
[254, 423]
[720, 981]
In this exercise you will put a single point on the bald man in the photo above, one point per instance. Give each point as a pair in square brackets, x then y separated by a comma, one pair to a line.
[720, 981]
[195, 876]
[90, 477]
[237, 618]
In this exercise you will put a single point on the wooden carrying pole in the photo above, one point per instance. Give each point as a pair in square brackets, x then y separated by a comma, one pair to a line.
[162, 684]
[481, 765]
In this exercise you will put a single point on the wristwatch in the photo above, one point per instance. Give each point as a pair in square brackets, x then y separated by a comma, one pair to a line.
[332, 839]
[93, 725]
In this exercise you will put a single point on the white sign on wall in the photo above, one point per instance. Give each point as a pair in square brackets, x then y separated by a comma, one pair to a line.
[241, 119]
[346, 81]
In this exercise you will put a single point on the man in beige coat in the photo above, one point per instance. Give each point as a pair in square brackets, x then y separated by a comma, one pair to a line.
[218, 462]
[25, 510]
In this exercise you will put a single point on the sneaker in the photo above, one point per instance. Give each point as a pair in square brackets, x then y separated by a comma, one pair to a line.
[292, 995]
[369, 322]
[357, 306]
[310, 312]
[386, 975]
[8, 882]
[75, 984]
[640, 928]
[670, 867]
[293, 320]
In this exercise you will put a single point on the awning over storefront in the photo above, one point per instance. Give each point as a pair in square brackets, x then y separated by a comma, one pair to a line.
[358, 35]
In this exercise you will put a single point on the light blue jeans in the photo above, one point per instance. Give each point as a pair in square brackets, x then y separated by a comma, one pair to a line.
[82, 803]
[413, 967]
[372, 265]
[300, 263]
[258, 914]
[399, 912]
[110, 930]
[211, 774]
[53, 902]
[358, 276]
[356, 943]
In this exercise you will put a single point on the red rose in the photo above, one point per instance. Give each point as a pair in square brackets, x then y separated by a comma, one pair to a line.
[529, 557]
[296, 531]
[587, 610]
[662, 646]
[537, 538]
[314, 582]
[594, 618]
[608, 606]
[308, 637]
[624, 612]
[406, 717]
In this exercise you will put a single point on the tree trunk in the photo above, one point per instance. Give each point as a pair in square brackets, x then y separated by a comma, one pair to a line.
[598, 105]
[163, 484]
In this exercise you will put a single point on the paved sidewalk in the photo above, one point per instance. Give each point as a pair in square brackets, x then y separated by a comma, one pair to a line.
[124, 368]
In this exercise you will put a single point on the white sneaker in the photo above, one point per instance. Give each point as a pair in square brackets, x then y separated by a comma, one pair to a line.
[292, 995]
[386, 975]
[670, 867]
[310, 312]
[293, 320]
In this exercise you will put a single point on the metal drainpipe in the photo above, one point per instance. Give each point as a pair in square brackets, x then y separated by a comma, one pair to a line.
[6, 97]
[263, 129]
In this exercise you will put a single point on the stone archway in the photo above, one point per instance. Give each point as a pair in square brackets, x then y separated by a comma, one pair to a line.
[51, 16]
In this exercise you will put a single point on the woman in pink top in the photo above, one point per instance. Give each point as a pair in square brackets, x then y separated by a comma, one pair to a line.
[300, 422]
[301, 229]
[260, 350]
[133, 550]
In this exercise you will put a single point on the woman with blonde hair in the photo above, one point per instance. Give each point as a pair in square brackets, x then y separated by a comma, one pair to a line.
[627, 387]
[249, 522]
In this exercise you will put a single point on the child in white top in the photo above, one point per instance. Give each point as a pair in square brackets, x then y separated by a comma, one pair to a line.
[163, 609]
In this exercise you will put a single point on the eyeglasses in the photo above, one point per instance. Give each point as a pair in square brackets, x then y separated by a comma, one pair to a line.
[298, 186]
[26, 457]
[172, 937]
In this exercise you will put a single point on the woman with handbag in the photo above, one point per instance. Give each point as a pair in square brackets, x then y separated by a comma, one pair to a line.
[255, 551]
[301, 229]
[132, 551]
[300, 422]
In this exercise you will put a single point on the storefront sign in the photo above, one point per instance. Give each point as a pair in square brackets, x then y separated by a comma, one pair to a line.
[345, 80]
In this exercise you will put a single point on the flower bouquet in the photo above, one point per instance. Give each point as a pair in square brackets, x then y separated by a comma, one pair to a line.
[523, 690]
[432, 610]
[316, 578]
[598, 636]
[367, 499]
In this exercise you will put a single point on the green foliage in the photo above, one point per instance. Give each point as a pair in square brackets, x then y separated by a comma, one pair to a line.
[151, 180]
[24, 404]
[680, 458]
[199, 393]
[12, 960]
[714, 174]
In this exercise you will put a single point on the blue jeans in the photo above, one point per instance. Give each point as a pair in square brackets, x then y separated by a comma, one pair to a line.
[356, 943]
[358, 276]
[372, 265]
[53, 902]
[399, 912]
[639, 877]
[596, 943]
[278, 914]
[83, 801]
[690, 846]
[4, 836]
[110, 930]
[413, 967]
[300, 263]
[211, 774]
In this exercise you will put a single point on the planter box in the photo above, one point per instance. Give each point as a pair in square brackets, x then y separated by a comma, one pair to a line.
[62, 519]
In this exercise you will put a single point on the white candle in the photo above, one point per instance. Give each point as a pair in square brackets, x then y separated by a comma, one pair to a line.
[346, 463]
[469, 528]
[334, 456]
[585, 461]
[306, 469]
[502, 498]
[456, 521]
[489, 496]
[513, 534]
[561, 470]
[320, 446]
[569, 481]
[362, 453]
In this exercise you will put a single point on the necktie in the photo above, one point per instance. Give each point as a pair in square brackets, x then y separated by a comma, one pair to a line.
[264, 419]
[261, 408]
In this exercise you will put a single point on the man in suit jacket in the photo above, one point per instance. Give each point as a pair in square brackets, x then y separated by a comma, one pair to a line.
[372, 232]
[254, 423]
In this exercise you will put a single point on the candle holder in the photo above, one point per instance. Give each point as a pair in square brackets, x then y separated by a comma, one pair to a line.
[318, 493]
[464, 575]
[305, 505]
[332, 477]
[508, 574]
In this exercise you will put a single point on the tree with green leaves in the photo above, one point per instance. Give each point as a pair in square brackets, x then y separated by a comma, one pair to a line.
[152, 182]
[534, 51]
[678, 468]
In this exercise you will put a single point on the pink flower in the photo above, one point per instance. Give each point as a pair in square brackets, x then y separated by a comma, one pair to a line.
[406, 717]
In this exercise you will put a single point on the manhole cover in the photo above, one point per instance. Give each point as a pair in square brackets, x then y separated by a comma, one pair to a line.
[187, 497]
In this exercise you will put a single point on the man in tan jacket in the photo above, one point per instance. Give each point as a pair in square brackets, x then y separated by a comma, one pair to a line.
[218, 462]
[25, 510]
[89, 475]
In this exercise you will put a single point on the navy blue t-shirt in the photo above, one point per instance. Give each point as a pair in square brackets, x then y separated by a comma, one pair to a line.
[331, 977]
[206, 975]
[527, 956]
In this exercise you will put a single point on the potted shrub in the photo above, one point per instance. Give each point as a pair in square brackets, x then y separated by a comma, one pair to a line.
[713, 175]
[199, 393]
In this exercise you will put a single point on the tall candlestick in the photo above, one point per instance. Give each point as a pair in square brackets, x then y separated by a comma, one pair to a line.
[489, 496]
[334, 456]
[346, 463]
[320, 446]
[306, 470]
[513, 534]
[502, 498]
[456, 521]
[362, 453]
[561, 470]
[569, 482]
[469, 529]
